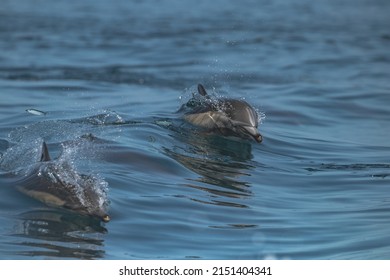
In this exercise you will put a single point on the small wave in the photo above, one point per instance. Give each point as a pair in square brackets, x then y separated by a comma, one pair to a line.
[105, 118]
[59, 130]
[371, 168]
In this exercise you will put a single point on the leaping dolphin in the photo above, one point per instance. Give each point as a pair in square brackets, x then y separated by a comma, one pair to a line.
[230, 117]
[59, 185]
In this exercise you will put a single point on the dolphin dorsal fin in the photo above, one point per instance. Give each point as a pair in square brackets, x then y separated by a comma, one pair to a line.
[201, 90]
[45, 152]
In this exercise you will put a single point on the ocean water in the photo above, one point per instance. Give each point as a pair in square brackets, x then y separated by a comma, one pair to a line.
[110, 77]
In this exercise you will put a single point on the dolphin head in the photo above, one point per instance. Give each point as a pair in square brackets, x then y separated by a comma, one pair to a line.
[243, 118]
[228, 116]
[85, 195]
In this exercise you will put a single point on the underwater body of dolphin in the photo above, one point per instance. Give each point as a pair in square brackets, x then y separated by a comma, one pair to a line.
[60, 186]
[229, 117]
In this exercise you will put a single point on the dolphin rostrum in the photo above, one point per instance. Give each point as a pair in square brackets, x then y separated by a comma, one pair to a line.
[230, 117]
[58, 184]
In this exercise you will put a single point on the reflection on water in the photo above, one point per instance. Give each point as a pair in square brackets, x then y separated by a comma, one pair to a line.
[221, 163]
[54, 233]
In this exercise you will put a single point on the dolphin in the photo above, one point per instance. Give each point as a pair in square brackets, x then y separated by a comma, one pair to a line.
[57, 184]
[229, 117]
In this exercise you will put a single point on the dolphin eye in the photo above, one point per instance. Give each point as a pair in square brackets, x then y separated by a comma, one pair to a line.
[192, 103]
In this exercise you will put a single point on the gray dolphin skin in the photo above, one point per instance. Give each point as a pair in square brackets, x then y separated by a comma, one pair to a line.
[229, 117]
[63, 188]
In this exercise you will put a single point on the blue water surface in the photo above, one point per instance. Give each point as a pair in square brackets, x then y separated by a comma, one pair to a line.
[110, 77]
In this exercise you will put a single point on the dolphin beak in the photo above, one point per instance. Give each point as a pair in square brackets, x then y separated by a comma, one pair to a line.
[106, 218]
[258, 138]
[252, 131]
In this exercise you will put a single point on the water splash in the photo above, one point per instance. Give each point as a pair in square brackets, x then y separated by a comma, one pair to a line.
[107, 117]
[21, 155]
[66, 170]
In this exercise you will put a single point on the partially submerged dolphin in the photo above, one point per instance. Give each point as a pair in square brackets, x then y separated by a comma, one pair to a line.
[230, 117]
[57, 184]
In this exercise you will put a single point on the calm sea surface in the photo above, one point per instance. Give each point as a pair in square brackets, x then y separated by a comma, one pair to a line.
[111, 75]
